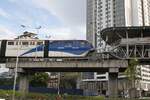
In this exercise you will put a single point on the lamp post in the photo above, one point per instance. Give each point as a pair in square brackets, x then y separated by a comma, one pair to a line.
[58, 83]
[37, 31]
[16, 66]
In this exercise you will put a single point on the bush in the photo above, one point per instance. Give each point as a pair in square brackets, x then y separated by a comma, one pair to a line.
[7, 94]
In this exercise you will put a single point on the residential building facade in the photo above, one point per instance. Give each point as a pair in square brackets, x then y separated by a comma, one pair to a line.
[103, 14]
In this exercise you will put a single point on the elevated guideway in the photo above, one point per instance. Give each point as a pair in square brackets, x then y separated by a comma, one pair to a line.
[30, 65]
[123, 44]
[61, 65]
[128, 42]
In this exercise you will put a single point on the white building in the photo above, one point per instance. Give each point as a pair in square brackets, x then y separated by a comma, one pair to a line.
[102, 14]
[145, 77]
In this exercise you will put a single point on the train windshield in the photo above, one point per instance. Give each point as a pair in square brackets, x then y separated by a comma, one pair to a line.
[0, 47]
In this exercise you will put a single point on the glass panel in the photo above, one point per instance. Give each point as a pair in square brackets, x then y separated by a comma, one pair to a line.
[10, 43]
[39, 43]
[24, 43]
[32, 43]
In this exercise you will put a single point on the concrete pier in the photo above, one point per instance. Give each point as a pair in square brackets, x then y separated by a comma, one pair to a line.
[112, 66]
[23, 83]
[113, 85]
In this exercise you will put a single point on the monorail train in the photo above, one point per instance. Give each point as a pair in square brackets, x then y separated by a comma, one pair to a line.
[44, 48]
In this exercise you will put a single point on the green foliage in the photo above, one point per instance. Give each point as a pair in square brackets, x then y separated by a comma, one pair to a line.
[39, 80]
[8, 94]
[6, 82]
[131, 70]
[38, 96]
[68, 80]
[132, 74]
[73, 97]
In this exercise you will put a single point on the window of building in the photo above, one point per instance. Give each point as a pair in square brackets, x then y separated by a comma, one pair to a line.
[102, 77]
[18, 43]
[10, 43]
[32, 43]
[24, 43]
[39, 43]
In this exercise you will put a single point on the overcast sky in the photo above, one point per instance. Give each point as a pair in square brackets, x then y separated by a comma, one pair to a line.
[60, 19]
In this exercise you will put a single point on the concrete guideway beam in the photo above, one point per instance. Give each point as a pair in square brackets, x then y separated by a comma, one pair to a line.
[112, 65]
[75, 64]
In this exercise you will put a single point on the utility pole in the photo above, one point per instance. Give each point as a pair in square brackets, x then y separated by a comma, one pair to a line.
[16, 66]
[37, 31]
[58, 83]
[142, 6]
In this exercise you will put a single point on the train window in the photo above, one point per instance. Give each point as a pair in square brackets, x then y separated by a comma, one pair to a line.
[24, 43]
[58, 43]
[68, 45]
[82, 43]
[10, 43]
[32, 43]
[39, 43]
[18, 42]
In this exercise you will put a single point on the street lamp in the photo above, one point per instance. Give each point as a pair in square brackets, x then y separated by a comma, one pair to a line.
[58, 92]
[37, 31]
[58, 83]
[16, 66]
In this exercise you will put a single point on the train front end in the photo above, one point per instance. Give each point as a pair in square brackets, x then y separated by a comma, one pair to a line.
[69, 48]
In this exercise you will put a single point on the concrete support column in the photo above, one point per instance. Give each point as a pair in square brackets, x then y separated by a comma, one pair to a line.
[23, 83]
[113, 84]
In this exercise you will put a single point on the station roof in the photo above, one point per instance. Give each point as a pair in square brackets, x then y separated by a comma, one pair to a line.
[112, 34]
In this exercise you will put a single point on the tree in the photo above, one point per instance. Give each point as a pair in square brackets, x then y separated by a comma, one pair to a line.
[39, 79]
[7, 81]
[132, 73]
[69, 80]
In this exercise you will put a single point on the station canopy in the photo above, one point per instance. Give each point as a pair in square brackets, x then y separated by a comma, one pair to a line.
[112, 34]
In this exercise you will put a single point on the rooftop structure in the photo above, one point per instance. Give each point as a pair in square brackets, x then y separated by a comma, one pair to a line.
[27, 35]
[112, 34]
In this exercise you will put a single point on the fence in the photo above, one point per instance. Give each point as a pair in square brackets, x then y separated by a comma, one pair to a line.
[48, 90]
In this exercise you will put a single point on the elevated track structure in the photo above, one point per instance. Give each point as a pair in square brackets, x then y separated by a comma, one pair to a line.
[127, 42]
[122, 44]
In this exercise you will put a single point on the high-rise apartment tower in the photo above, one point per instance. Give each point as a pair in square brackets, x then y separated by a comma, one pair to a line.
[102, 14]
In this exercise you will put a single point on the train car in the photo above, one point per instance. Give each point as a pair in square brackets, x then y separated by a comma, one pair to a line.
[63, 48]
[2, 50]
[21, 48]
[44, 48]
[69, 48]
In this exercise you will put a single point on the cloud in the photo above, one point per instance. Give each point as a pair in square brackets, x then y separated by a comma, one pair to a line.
[4, 13]
[72, 13]
[62, 19]
[69, 11]
[5, 33]
[58, 33]
[12, 0]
